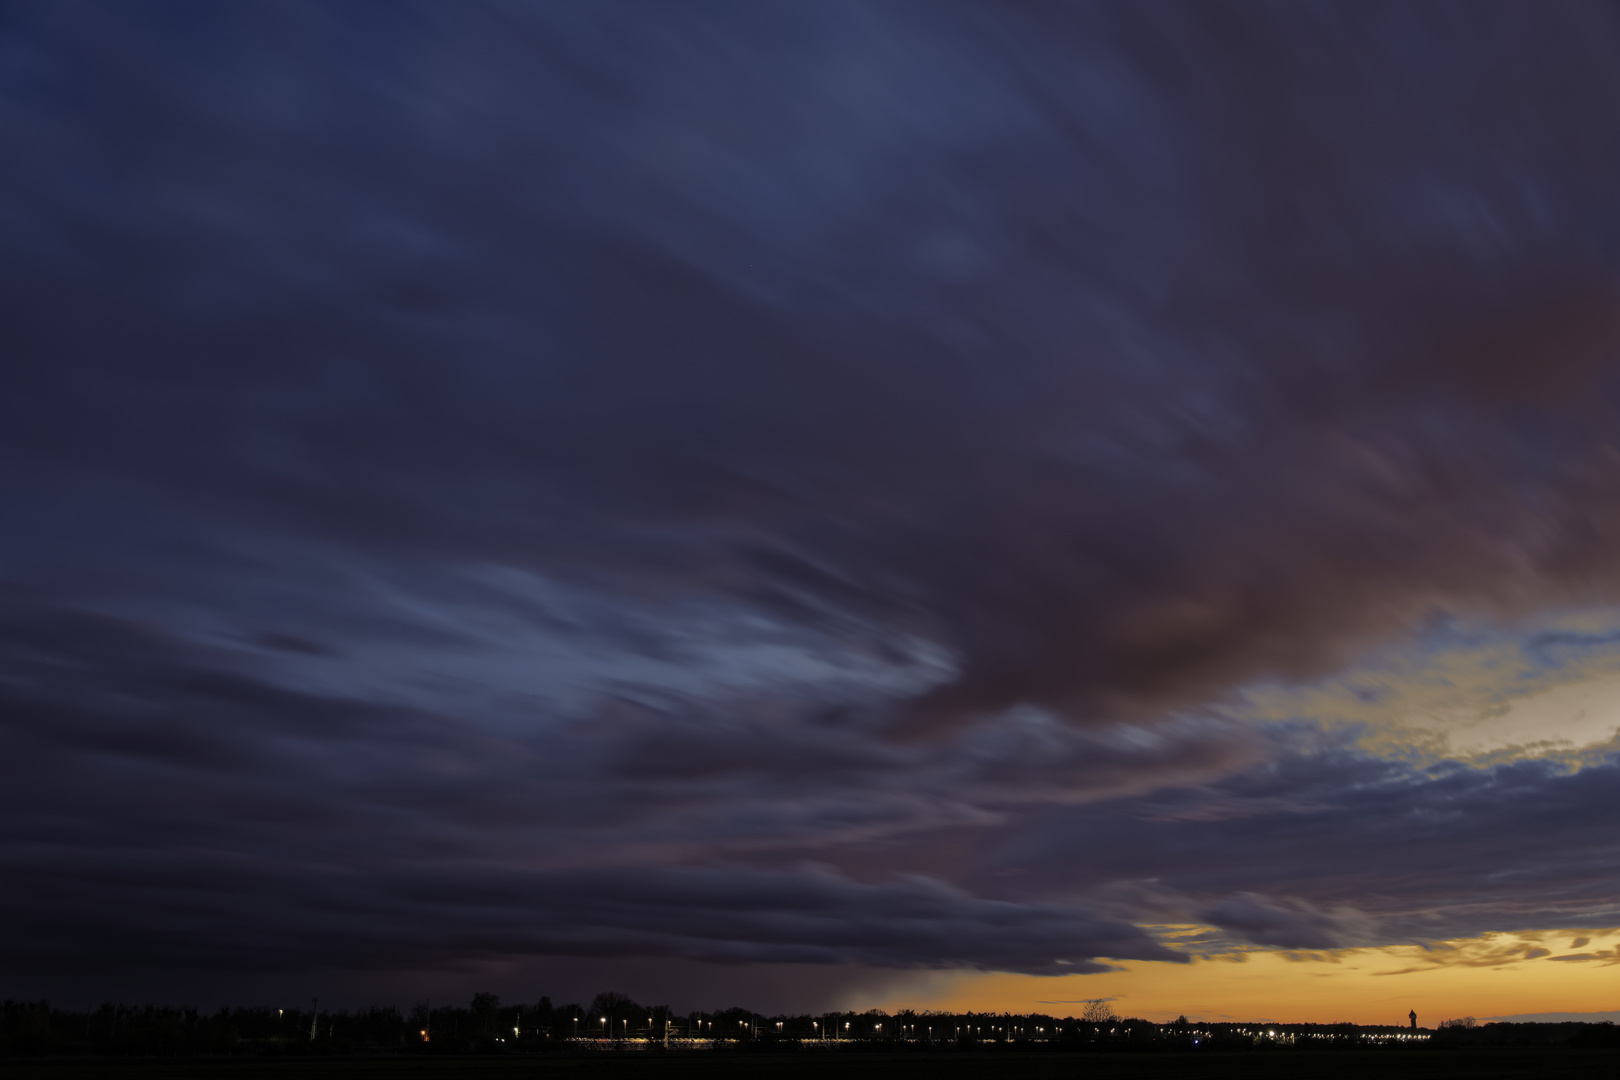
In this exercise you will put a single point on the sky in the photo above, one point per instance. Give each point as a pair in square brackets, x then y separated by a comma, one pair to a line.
[813, 505]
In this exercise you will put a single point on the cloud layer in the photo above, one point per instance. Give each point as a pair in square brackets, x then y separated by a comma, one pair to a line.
[495, 480]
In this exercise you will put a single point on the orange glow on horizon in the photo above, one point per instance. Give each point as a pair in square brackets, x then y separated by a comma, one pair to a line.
[1492, 975]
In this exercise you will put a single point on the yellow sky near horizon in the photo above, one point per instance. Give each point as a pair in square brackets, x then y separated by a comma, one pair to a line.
[1486, 698]
[1491, 975]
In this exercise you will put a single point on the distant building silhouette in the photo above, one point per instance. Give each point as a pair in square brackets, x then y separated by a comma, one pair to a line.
[1413, 1016]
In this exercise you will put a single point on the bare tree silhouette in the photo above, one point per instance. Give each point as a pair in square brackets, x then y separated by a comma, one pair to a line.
[1099, 1011]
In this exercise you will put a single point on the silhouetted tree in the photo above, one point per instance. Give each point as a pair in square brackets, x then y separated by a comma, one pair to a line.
[1099, 1011]
[485, 1016]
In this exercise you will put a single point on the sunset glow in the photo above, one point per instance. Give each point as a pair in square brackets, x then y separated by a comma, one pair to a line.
[802, 506]
[1495, 975]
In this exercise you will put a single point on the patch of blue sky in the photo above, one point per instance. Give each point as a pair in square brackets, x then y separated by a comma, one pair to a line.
[1469, 690]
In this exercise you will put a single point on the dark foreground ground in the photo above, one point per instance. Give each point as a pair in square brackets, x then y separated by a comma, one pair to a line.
[1378, 1064]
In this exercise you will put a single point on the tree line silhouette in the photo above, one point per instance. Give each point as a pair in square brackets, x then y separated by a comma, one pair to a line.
[615, 1021]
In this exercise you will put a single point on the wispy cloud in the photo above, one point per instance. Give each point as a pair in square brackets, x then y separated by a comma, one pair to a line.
[1055, 472]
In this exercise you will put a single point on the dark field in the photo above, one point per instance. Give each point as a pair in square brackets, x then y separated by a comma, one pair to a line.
[726, 1066]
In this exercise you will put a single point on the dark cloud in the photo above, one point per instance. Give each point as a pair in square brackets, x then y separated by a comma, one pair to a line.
[569, 448]
[931, 334]
[272, 639]
[1287, 922]
[161, 910]
[1338, 849]
[355, 836]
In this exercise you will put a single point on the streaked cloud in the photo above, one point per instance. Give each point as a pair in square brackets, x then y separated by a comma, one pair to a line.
[947, 488]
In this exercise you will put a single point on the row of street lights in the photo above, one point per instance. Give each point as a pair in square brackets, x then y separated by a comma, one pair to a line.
[908, 1031]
